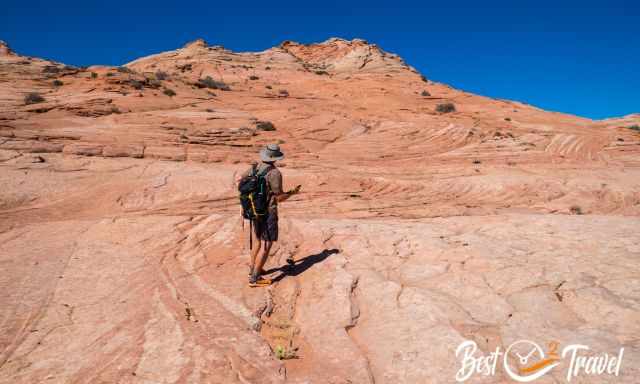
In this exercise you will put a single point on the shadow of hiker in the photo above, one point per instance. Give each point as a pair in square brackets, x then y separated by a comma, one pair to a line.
[301, 265]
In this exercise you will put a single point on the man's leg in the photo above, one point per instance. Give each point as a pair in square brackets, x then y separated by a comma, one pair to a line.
[254, 255]
[269, 235]
[263, 258]
[270, 232]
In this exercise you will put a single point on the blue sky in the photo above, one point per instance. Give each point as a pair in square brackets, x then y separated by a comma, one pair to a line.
[580, 57]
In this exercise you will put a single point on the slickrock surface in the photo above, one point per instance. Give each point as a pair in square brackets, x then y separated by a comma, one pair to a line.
[124, 258]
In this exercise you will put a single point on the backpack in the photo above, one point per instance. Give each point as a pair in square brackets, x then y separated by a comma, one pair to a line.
[254, 193]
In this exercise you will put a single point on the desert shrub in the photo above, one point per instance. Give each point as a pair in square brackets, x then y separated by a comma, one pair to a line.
[136, 84]
[169, 92]
[94, 75]
[635, 127]
[265, 126]
[283, 93]
[283, 353]
[507, 119]
[50, 69]
[208, 82]
[424, 79]
[446, 108]
[153, 83]
[253, 77]
[268, 87]
[575, 210]
[184, 67]
[267, 68]
[124, 70]
[110, 74]
[33, 98]
[57, 83]
[321, 73]
[161, 75]
[425, 93]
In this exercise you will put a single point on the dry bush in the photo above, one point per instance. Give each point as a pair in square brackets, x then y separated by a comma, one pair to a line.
[446, 108]
[208, 82]
[33, 98]
[265, 126]
[161, 75]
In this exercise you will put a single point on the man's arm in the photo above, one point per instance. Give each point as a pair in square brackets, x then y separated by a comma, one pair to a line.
[285, 195]
[275, 182]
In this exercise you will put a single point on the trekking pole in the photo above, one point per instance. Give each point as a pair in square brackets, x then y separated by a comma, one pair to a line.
[250, 234]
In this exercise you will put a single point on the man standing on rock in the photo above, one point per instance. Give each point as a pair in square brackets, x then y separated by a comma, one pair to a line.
[266, 226]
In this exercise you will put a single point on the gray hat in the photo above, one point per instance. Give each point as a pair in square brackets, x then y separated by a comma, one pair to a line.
[271, 153]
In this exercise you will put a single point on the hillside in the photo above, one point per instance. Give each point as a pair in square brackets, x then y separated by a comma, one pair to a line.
[125, 258]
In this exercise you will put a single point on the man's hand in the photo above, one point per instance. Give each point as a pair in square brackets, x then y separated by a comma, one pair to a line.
[295, 190]
[286, 195]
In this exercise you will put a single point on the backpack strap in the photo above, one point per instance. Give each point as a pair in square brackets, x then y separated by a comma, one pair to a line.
[264, 171]
[263, 175]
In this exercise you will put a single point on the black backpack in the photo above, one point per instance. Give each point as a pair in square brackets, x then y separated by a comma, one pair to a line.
[254, 193]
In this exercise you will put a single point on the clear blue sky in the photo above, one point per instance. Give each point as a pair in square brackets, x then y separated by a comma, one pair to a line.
[581, 57]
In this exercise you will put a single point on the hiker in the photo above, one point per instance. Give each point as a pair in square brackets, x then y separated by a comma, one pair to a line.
[261, 207]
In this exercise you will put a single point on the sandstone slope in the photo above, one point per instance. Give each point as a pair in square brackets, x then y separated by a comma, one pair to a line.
[124, 257]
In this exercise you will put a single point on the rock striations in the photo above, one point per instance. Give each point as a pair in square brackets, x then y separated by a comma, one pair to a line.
[428, 216]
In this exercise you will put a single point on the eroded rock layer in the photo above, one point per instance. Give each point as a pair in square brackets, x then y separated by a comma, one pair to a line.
[428, 216]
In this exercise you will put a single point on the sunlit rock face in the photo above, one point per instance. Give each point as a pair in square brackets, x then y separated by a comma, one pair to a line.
[428, 216]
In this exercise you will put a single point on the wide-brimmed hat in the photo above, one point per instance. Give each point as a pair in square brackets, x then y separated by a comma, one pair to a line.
[271, 153]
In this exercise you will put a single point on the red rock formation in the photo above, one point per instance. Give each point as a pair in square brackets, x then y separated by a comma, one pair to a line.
[5, 50]
[124, 257]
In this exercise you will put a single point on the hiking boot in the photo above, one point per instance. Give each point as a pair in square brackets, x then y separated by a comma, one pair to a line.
[261, 282]
[255, 281]
[251, 271]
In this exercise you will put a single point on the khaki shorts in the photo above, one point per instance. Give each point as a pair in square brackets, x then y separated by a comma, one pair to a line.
[266, 227]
